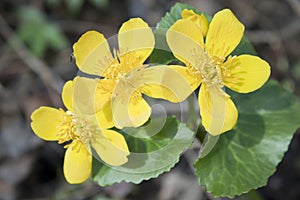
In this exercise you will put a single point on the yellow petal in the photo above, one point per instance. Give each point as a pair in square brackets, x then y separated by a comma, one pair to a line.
[217, 110]
[185, 40]
[139, 111]
[45, 121]
[224, 34]
[104, 116]
[85, 95]
[136, 37]
[130, 111]
[92, 53]
[200, 20]
[111, 148]
[77, 163]
[67, 95]
[128, 107]
[170, 82]
[246, 73]
[104, 92]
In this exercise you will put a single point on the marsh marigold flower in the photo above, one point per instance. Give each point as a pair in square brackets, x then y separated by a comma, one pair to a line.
[200, 20]
[212, 66]
[78, 132]
[126, 77]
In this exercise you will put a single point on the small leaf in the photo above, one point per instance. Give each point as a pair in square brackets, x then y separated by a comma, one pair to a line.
[150, 155]
[38, 33]
[245, 157]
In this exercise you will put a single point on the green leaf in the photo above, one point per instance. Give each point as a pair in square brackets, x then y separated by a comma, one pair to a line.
[245, 157]
[150, 155]
[162, 54]
[244, 47]
[38, 33]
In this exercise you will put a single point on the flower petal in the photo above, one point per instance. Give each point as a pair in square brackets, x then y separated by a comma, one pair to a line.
[105, 117]
[77, 163]
[104, 92]
[171, 82]
[130, 111]
[128, 107]
[217, 110]
[136, 37]
[184, 39]
[85, 95]
[67, 95]
[139, 111]
[224, 34]
[103, 101]
[92, 53]
[200, 20]
[45, 121]
[246, 73]
[111, 148]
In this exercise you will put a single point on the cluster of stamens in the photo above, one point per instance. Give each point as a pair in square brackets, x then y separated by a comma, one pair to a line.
[75, 130]
[207, 68]
[124, 71]
[121, 65]
[233, 78]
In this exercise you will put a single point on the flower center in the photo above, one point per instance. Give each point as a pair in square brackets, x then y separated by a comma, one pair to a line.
[126, 71]
[208, 68]
[122, 65]
[129, 85]
[75, 128]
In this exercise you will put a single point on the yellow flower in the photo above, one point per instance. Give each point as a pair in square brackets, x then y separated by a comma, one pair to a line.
[200, 20]
[78, 132]
[211, 66]
[126, 77]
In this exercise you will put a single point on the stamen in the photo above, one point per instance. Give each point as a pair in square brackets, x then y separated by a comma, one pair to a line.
[107, 87]
[207, 68]
[122, 65]
[103, 64]
[75, 130]
[193, 71]
[232, 78]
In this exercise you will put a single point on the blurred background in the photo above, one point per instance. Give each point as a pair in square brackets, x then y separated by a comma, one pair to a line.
[36, 38]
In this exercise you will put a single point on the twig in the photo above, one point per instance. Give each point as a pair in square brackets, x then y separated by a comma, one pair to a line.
[35, 64]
